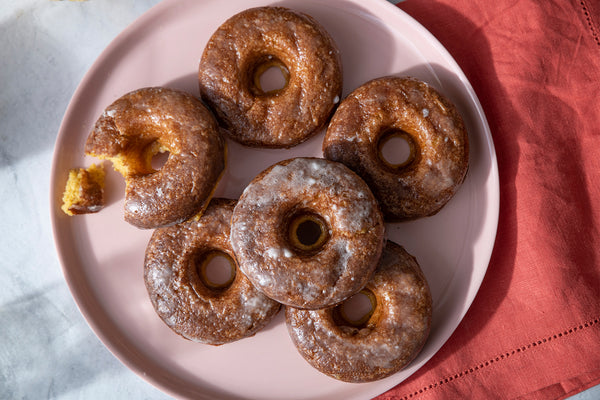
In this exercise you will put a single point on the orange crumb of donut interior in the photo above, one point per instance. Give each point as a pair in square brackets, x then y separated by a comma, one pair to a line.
[136, 160]
[84, 191]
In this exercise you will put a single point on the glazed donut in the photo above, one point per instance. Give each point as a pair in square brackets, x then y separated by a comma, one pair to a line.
[387, 340]
[248, 44]
[407, 108]
[144, 122]
[185, 299]
[307, 232]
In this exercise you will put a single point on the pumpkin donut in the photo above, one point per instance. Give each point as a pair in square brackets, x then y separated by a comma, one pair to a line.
[248, 44]
[383, 342]
[307, 232]
[184, 296]
[150, 120]
[406, 108]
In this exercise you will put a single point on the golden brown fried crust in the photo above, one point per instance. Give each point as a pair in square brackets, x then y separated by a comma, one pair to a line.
[299, 187]
[434, 128]
[179, 296]
[262, 36]
[390, 340]
[141, 123]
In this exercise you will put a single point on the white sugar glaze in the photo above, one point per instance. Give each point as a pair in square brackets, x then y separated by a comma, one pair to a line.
[388, 342]
[311, 185]
[183, 301]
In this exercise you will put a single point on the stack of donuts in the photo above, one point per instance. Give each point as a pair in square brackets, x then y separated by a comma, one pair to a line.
[306, 233]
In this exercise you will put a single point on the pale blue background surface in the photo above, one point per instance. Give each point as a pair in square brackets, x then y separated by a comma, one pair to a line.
[46, 348]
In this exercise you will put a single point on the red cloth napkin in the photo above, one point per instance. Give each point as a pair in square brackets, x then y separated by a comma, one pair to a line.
[533, 331]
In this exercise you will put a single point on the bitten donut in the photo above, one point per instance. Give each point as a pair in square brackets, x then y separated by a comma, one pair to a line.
[307, 232]
[183, 294]
[386, 341]
[247, 45]
[407, 109]
[150, 120]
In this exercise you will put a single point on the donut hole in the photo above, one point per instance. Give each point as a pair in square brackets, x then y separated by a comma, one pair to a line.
[396, 148]
[356, 312]
[215, 270]
[159, 159]
[307, 232]
[151, 157]
[270, 76]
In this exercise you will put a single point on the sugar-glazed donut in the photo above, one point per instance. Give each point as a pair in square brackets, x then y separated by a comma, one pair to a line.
[383, 342]
[150, 120]
[307, 232]
[181, 291]
[406, 108]
[248, 44]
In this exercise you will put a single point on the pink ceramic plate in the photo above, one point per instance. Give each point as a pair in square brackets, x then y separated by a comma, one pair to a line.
[102, 256]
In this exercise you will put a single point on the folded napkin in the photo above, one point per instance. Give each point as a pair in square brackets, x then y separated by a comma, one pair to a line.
[533, 331]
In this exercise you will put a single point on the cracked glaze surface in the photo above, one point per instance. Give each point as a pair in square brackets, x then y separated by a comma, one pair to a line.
[183, 302]
[140, 124]
[392, 338]
[437, 132]
[259, 36]
[309, 185]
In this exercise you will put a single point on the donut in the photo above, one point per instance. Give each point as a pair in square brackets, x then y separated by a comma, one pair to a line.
[248, 44]
[186, 299]
[84, 190]
[145, 122]
[385, 341]
[307, 232]
[401, 108]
